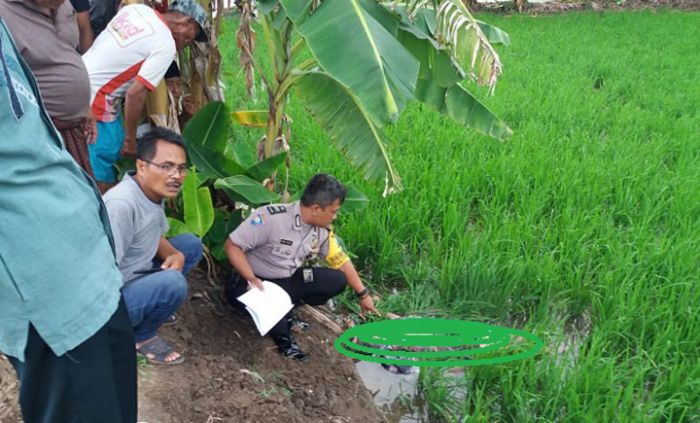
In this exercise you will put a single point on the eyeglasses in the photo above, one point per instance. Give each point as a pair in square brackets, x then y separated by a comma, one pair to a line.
[169, 169]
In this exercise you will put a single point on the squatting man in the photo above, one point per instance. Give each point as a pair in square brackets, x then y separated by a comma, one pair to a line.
[154, 267]
[281, 242]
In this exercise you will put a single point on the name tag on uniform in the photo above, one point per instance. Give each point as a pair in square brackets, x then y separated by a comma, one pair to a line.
[308, 274]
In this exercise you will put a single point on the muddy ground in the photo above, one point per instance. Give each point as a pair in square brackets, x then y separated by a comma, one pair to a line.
[231, 374]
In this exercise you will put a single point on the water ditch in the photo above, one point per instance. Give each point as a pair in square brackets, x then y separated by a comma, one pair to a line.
[395, 393]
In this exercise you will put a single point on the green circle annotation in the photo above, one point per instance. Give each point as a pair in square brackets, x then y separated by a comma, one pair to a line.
[436, 342]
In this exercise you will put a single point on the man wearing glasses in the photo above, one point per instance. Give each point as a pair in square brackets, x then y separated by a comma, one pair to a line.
[152, 266]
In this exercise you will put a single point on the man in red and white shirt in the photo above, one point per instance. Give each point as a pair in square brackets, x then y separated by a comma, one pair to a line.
[128, 59]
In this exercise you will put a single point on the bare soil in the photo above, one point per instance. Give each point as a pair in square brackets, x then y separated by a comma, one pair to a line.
[9, 410]
[231, 374]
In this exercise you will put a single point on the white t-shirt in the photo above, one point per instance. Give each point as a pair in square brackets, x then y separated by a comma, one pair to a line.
[137, 44]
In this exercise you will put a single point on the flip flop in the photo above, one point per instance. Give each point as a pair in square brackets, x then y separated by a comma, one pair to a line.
[159, 349]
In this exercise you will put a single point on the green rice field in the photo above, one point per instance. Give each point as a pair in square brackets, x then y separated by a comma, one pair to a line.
[582, 228]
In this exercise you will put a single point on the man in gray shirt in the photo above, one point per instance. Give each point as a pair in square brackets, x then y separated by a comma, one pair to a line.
[152, 266]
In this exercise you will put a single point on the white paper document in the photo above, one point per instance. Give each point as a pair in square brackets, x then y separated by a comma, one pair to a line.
[266, 307]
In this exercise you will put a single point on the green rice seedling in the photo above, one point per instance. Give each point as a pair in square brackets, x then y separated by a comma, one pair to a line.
[583, 227]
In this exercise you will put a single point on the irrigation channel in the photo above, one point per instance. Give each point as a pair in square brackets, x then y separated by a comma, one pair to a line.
[394, 392]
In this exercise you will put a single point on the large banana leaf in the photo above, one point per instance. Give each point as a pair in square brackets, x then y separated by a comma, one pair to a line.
[463, 107]
[241, 187]
[264, 168]
[466, 109]
[356, 50]
[212, 164]
[422, 24]
[197, 205]
[435, 64]
[297, 10]
[439, 81]
[209, 127]
[267, 6]
[198, 209]
[224, 224]
[206, 137]
[348, 124]
[387, 18]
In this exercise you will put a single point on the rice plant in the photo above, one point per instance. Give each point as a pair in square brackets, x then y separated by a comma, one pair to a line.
[583, 227]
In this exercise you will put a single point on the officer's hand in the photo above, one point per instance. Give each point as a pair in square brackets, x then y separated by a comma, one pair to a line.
[256, 283]
[174, 262]
[367, 305]
[128, 150]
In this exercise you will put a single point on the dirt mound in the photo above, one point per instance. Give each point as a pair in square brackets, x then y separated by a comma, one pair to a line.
[231, 374]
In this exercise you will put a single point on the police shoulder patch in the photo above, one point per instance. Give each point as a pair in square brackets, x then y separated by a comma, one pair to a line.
[276, 209]
[258, 220]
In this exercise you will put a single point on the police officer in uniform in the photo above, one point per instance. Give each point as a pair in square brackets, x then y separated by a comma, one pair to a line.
[278, 242]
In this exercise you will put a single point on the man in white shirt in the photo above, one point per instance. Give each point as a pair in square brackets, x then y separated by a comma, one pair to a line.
[128, 59]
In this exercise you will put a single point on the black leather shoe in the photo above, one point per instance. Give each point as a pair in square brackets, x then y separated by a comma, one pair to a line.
[298, 325]
[288, 347]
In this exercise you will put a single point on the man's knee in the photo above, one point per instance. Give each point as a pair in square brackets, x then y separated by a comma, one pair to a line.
[171, 287]
[190, 246]
[334, 281]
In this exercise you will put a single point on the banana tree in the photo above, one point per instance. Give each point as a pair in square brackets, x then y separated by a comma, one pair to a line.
[355, 64]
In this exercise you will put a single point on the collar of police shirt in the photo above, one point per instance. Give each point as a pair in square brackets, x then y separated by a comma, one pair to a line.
[299, 225]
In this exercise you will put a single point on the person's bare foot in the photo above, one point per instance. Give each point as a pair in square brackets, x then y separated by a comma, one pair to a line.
[158, 351]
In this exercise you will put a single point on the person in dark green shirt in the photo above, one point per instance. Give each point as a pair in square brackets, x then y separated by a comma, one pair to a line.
[63, 323]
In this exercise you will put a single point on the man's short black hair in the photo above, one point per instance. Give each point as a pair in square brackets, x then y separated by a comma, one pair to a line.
[323, 190]
[146, 145]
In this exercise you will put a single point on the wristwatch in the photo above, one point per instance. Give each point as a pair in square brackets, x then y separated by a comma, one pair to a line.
[362, 294]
